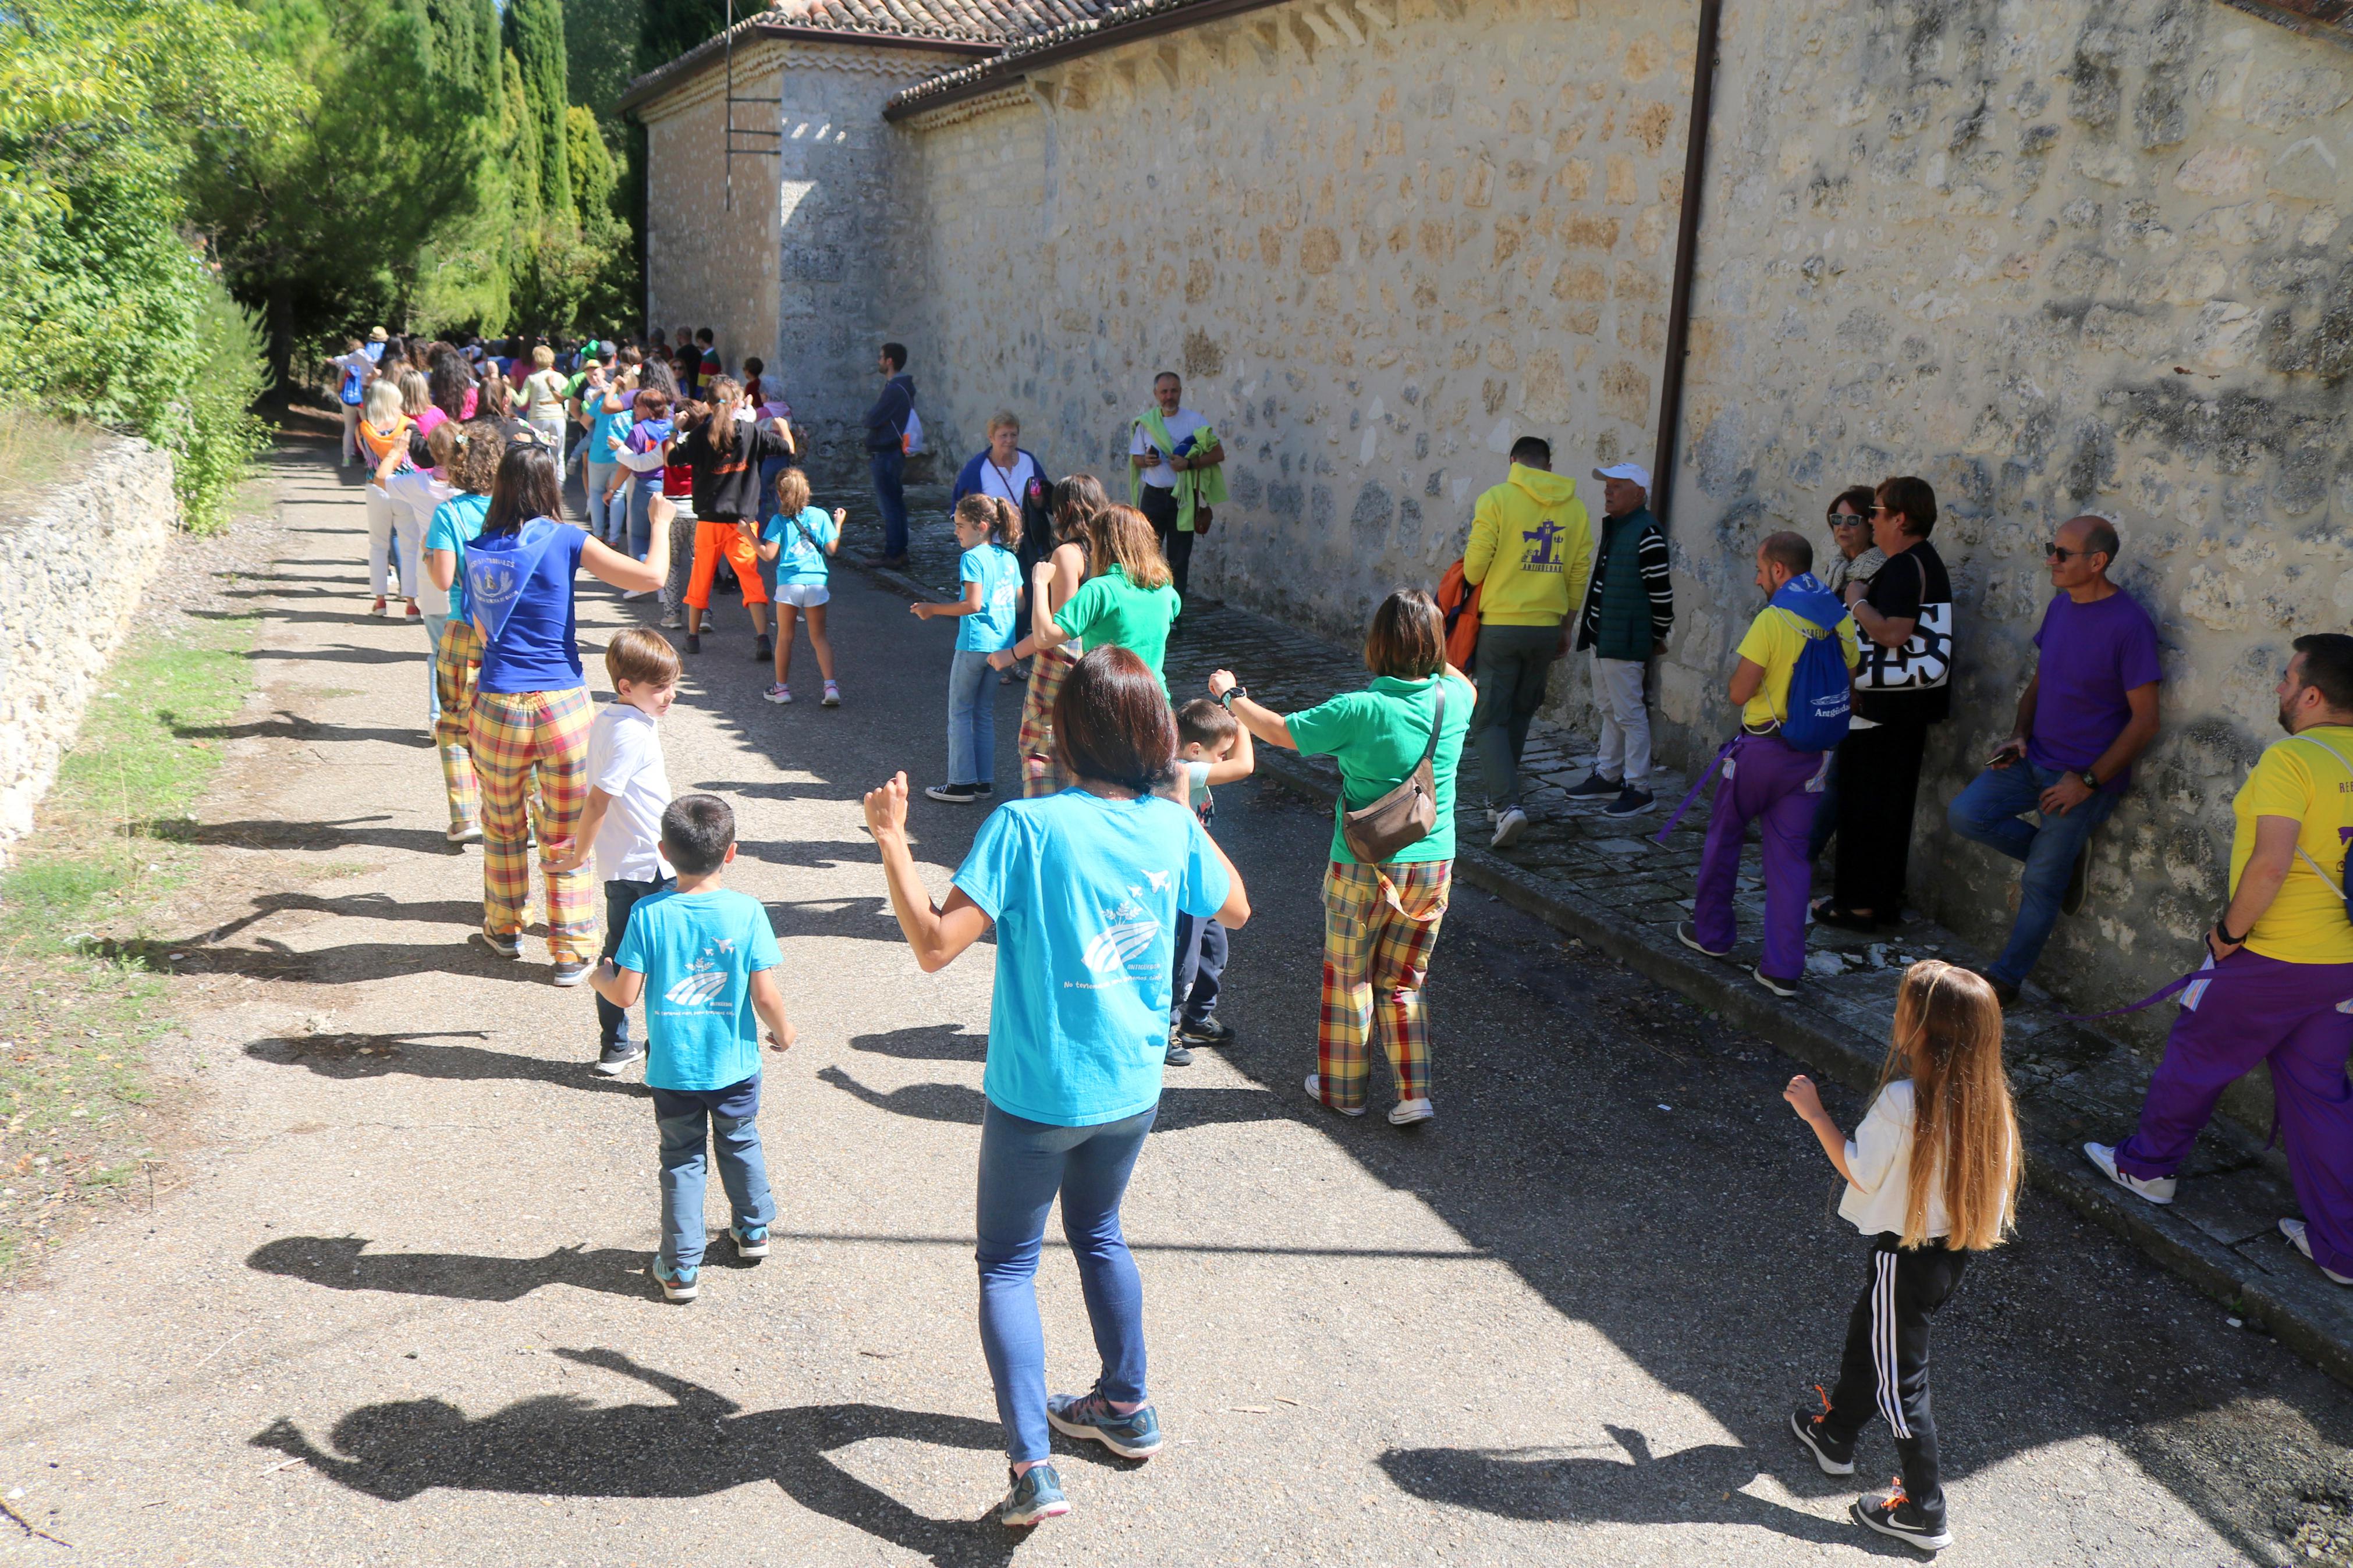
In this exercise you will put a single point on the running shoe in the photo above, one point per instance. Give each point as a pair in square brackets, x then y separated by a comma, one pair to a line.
[832, 698]
[751, 1240]
[1510, 823]
[954, 793]
[694, 642]
[1895, 1514]
[763, 651]
[779, 693]
[464, 833]
[2157, 1190]
[1593, 786]
[570, 971]
[504, 946]
[2293, 1229]
[1035, 1494]
[1835, 1458]
[1315, 1093]
[1132, 1436]
[677, 1284]
[1205, 1032]
[1688, 934]
[616, 1057]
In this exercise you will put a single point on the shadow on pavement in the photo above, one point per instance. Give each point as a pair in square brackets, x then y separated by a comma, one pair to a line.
[270, 834]
[350, 1057]
[341, 1263]
[699, 1444]
[925, 1043]
[1179, 1108]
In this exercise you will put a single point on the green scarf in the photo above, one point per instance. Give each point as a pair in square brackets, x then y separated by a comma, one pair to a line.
[1195, 487]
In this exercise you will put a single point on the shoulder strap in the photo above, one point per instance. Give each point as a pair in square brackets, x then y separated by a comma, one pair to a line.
[1437, 723]
[2326, 747]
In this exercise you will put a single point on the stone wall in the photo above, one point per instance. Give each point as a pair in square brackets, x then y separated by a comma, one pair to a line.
[76, 567]
[2054, 257]
[792, 273]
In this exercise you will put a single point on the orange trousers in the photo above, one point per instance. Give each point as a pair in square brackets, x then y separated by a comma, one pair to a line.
[714, 542]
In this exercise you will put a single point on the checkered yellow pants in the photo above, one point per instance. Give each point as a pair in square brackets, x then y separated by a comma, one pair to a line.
[1041, 774]
[1380, 923]
[457, 665]
[521, 739]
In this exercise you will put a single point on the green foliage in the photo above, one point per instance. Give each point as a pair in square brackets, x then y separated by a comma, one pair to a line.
[230, 374]
[670, 28]
[600, 47]
[535, 33]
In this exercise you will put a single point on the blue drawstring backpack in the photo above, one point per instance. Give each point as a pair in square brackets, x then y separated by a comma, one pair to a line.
[1822, 698]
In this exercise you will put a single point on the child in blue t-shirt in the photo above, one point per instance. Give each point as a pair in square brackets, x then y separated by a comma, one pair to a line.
[1212, 748]
[793, 548]
[704, 960]
[989, 528]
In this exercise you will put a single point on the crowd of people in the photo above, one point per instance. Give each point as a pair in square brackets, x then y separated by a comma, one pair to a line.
[1113, 907]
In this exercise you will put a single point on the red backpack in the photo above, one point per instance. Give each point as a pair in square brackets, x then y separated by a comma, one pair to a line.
[1458, 601]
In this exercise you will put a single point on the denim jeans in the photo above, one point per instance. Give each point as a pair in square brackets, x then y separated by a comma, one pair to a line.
[594, 477]
[1990, 811]
[1023, 1164]
[972, 720]
[890, 494]
[621, 897]
[433, 626]
[731, 1117]
[638, 495]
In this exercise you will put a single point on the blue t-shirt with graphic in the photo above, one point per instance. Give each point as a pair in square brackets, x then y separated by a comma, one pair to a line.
[698, 952]
[455, 523]
[992, 626]
[609, 430]
[519, 588]
[801, 560]
[1085, 893]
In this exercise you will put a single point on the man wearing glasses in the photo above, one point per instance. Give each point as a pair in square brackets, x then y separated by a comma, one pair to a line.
[2089, 711]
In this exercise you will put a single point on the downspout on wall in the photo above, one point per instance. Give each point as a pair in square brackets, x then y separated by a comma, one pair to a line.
[1671, 380]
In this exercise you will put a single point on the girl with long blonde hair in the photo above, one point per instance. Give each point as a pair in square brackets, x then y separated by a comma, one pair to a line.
[1932, 1176]
[1054, 577]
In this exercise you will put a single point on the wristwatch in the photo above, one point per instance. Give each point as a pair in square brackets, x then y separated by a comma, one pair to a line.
[1232, 693]
[2091, 780]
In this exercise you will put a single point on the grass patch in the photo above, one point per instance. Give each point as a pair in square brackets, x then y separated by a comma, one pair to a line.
[79, 1008]
[34, 451]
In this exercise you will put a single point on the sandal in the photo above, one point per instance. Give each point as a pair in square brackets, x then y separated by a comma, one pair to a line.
[1831, 913]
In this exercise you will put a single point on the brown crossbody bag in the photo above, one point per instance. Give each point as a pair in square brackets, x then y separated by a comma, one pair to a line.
[1405, 816]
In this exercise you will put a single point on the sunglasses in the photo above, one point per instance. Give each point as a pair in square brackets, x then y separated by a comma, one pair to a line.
[2052, 552]
[1847, 520]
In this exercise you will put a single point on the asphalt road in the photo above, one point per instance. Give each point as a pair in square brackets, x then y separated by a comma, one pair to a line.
[395, 1310]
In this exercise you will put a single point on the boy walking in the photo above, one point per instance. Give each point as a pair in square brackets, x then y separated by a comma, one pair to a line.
[628, 790]
[704, 960]
[1212, 748]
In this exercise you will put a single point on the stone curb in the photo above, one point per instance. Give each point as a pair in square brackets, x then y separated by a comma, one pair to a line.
[2302, 1310]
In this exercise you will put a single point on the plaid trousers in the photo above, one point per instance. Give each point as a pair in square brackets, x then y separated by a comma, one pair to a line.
[1380, 923]
[456, 665]
[1041, 774]
[519, 738]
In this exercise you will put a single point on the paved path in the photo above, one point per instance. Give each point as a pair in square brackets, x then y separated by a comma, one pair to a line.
[396, 1311]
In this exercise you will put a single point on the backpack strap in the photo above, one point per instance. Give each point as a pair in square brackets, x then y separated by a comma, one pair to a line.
[2331, 883]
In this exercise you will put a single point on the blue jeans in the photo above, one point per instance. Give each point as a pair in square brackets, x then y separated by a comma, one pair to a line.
[731, 1115]
[433, 625]
[594, 477]
[891, 495]
[621, 897]
[641, 524]
[1989, 812]
[1023, 1164]
[1200, 965]
[972, 720]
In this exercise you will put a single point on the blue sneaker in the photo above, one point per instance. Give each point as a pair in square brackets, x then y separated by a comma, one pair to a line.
[1134, 1435]
[751, 1240]
[678, 1284]
[1037, 1494]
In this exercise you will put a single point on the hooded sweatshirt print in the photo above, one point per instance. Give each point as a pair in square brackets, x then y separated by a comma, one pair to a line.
[1531, 549]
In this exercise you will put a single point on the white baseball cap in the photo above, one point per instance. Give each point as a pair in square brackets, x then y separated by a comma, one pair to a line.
[1634, 471]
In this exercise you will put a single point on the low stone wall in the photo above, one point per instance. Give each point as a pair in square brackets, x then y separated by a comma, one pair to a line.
[71, 574]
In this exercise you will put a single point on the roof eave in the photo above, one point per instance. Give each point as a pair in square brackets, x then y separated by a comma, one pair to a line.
[1008, 68]
[692, 64]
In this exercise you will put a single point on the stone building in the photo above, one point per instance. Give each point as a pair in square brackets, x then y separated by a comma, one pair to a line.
[2054, 256]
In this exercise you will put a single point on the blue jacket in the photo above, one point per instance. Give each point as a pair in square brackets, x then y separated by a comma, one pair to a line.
[886, 422]
[967, 480]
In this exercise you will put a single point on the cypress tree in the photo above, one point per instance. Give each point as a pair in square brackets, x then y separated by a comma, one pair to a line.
[535, 34]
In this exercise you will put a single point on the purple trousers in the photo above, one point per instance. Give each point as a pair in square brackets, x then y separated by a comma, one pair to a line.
[2258, 1009]
[1767, 782]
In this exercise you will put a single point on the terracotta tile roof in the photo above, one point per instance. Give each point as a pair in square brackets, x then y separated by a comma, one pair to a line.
[975, 21]
[1061, 35]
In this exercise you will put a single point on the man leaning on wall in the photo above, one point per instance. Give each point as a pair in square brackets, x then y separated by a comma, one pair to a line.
[1530, 553]
[2088, 712]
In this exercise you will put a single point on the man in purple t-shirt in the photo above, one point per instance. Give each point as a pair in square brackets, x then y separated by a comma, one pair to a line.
[2090, 709]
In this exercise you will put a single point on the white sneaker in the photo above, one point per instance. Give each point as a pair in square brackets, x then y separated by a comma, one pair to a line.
[2294, 1230]
[1509, 824]
[2157, 1190]
[673, 621]
[1315, 1093]
[1406, 1112]
[640, 592]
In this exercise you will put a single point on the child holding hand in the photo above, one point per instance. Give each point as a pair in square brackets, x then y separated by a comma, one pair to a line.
[1932, 1176]
[990, 531]
[1212, 748]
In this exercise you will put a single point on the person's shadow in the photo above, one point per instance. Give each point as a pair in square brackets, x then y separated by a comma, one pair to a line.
[700, 1444]
[343, 1263]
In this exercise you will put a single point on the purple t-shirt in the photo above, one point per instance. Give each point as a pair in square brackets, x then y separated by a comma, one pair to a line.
[2092, 655]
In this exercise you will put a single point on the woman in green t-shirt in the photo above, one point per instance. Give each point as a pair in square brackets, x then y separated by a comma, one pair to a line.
[1380, 922]
[1126, 603]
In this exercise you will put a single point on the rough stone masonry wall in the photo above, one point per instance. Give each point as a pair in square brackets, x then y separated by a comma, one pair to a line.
[1378, 239]
[2055, 256]
[74, 570]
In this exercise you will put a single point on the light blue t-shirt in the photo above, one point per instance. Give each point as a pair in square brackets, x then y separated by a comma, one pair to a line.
[992, 626]
[455, 523]
[609, 429]
[1085, 893]
[801, 561]
[697, 951]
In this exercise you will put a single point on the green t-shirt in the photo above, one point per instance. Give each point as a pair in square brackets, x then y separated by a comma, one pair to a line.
[1110, 611]
[1376, 736]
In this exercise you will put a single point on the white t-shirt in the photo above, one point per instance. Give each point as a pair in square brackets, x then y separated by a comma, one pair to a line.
[625, 760]
[422, 494]
[1181, 423]
[1879, 1157]
[1007, 484]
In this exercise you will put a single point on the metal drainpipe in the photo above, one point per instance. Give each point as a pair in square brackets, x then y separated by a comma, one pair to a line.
[1671, 383]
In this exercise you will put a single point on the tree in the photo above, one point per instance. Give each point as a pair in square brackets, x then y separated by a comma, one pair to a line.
[600, 46]
[535, 35]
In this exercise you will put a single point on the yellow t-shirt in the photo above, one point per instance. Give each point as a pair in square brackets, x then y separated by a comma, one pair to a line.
[1776, 638]
[2296, 778]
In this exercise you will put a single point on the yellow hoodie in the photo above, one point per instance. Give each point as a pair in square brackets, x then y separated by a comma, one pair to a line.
[1531, 549]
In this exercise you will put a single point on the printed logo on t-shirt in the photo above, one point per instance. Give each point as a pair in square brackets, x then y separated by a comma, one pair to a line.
[1538, 555]
[705, 978]
[1109, 953]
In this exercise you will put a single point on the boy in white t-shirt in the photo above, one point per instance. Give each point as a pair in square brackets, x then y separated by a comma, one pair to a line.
[1212, 748]
[627, 792]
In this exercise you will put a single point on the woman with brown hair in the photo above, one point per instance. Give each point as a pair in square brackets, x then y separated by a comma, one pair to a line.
[1083, 889]
[1077, 499]
[1126, 601]
[1380, 920]
[1932, 1176]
